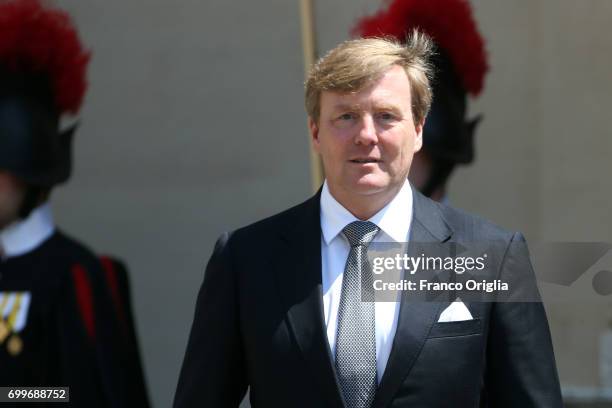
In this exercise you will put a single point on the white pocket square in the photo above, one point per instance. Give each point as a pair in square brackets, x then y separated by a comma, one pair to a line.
[455, 312]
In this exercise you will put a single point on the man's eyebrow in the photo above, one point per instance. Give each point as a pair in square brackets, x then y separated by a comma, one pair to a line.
[346, 107]
[357, 107]
[387, 107]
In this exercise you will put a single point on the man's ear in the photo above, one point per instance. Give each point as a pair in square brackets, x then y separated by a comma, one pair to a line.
[313, 129]
[418, 140]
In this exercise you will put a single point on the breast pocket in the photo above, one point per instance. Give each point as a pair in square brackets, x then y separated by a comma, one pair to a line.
[454, 329]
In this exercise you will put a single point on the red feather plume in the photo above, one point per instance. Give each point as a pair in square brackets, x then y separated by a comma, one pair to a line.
[44, 41]
[449, 22]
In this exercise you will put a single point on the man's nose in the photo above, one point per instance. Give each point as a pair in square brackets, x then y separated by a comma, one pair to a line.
[367, 131]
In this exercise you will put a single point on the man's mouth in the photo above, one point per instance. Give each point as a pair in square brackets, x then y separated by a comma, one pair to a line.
[365, 160]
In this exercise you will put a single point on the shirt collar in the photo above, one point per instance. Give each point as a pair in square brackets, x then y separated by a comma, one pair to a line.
[26, 235]
[394, 219]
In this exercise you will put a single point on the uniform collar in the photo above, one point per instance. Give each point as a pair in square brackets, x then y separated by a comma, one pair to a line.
[25, 235]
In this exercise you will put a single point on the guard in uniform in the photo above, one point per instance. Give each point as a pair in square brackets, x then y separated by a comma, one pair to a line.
[65, 317]
[460, 68]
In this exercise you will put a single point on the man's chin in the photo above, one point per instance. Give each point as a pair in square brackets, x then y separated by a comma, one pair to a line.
[369, 187]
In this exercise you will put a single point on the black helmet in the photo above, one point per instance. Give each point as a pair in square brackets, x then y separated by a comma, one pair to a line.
[42, 77]
[31, 145]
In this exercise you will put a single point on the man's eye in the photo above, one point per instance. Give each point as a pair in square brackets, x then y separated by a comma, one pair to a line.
[386, 116]
[345, 120]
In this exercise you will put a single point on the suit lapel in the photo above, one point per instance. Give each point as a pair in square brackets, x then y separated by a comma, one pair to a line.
[415, 317]
[299, 277]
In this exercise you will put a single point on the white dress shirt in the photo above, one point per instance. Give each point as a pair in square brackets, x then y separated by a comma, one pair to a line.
[394, 222]
[24, 236]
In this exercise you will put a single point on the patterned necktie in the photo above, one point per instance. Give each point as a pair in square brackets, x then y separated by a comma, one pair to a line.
[356, 332]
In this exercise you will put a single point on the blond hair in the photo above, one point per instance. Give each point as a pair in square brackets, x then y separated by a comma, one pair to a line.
[354, 64]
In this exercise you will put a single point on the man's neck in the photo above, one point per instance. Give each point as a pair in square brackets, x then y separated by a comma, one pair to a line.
[364, 207]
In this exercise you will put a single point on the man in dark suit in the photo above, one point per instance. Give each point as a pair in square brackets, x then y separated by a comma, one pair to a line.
[281, 308]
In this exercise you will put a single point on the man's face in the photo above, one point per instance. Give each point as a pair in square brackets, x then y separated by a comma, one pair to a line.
[367, 139]
[12, 192]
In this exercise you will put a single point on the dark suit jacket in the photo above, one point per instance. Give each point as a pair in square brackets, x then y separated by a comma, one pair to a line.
[259, 323]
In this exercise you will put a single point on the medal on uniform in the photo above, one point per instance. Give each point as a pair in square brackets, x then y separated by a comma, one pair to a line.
[14, 345]
[17, 316]
[4, 330]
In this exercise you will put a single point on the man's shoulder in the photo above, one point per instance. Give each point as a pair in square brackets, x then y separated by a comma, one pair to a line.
[272, 226]
[68, 246]
[470, 227]
[64, 249]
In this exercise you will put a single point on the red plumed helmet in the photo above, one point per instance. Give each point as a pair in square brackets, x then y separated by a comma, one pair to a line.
[449, 22]
[43, 41]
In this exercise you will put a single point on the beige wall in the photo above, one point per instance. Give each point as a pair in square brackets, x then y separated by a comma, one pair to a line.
[194, 125]
[545, 148]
